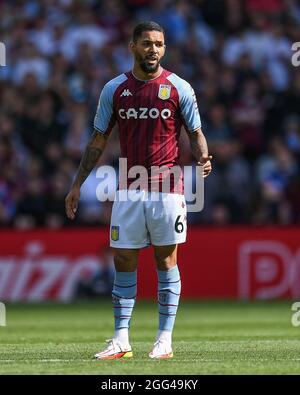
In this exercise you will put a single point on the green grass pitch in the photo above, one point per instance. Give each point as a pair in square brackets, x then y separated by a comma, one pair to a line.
[209, 338]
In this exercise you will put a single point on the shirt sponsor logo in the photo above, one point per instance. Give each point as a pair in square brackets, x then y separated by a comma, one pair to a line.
[164, 91]
[144, 113]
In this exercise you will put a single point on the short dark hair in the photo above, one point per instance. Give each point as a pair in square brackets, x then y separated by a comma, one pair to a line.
[145, 27]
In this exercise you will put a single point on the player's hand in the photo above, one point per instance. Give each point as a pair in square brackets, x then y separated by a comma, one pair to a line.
[71, 202]
[205, 162]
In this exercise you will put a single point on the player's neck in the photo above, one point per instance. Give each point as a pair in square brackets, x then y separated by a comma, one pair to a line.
[139, 74]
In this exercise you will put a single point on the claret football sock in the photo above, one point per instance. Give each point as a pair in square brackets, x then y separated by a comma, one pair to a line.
[169, 287]
[123, 297]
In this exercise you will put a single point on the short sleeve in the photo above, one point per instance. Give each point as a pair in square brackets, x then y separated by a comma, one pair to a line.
[189, 109]
[105, 119]
[188, 106]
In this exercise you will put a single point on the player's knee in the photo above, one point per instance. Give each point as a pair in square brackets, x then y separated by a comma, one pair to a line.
[166, 257]
[124, 262]
[165, 263]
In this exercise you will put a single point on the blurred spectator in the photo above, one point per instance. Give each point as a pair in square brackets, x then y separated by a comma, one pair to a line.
[31, 207]
[54, 202]
[247, 116]
[291, 131]
[31, 62]
[275, 173]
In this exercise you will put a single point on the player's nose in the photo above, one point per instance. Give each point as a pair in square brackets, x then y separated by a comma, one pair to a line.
[153, 48]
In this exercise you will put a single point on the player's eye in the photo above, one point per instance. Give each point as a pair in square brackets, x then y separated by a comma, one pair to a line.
[150, 43]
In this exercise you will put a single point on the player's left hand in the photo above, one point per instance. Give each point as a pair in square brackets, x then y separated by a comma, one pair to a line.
[205, 162]
[71, 202]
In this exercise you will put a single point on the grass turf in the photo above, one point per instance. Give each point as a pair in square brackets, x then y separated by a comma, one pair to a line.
[209, 338]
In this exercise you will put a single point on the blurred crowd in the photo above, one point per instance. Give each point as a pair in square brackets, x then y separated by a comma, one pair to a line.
[236, 55]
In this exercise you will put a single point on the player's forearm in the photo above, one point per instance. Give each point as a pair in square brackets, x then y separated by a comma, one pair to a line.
[198, 145]
[90, 158]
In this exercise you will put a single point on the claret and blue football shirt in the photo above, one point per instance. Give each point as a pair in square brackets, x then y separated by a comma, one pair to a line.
[149, 115]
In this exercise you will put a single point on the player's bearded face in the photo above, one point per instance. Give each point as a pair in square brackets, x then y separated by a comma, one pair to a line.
[149, 50]
[148, 63]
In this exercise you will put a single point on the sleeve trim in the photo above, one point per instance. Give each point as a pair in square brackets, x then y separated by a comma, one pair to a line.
[99, 130]
[194, 130]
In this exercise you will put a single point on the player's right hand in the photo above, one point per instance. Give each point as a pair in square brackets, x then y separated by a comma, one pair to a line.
[71, 202]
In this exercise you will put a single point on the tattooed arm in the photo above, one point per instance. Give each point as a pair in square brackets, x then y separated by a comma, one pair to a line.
[89, 160]
[199, 150]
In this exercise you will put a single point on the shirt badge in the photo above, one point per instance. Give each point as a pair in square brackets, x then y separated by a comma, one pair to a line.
[115, 233]
[164, 91]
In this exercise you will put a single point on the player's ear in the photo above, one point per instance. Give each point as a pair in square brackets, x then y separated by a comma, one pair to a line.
[131, 45]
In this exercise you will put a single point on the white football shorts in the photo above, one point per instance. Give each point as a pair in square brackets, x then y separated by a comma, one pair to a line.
[140, 218]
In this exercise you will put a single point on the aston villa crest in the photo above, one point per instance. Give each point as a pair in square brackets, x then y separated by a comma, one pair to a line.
[162, 297]
[164, 91]
[115, 233]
